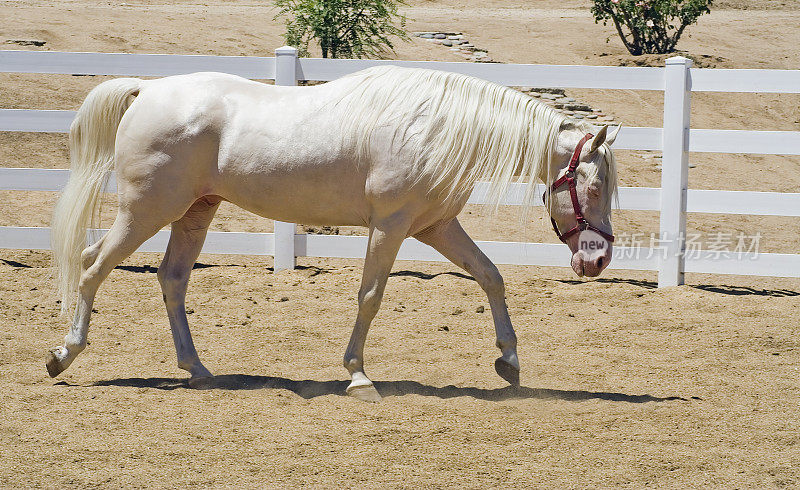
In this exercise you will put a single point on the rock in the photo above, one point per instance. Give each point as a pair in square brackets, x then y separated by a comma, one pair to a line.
[565, 100]
[480, 309]
[321, 230]
[426, 35]
[549, 96]
[447, 43]
[577, 116]
[578, 107]
[27, 42]
[455, 37]
[284, 298]
[524, 89]
[535, 94]
[591, 116]
[557, 91]
[440, 36]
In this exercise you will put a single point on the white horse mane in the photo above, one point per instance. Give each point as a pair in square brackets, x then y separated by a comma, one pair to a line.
[463, 129]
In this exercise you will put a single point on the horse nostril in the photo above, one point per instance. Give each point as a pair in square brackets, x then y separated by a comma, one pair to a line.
[600, 263]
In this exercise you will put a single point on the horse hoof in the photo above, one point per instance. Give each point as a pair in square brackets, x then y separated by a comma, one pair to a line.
[507, 371]
[54, 366]
[365, 393]
[201, 382]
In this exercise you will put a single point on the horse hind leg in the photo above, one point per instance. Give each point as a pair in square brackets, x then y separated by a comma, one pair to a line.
[185, 242]
[97, 261]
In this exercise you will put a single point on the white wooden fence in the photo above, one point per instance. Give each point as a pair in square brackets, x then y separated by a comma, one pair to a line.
[673, 200]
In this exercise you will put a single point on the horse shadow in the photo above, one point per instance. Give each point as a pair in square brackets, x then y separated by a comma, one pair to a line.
[711, 288]
[315, 270]
[309, 389]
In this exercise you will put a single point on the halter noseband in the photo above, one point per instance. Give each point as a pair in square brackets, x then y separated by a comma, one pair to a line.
[569, 179]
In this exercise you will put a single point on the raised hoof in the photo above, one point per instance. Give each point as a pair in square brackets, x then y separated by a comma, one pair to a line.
[364, 392]
[201, 382]
[507, 371]
[54, 367]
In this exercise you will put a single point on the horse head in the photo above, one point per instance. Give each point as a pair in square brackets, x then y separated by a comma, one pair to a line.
[581, 182]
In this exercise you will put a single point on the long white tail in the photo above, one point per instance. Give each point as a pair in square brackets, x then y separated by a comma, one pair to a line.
[91, 150]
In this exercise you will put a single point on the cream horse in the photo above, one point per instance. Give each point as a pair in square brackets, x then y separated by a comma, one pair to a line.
[396, 150]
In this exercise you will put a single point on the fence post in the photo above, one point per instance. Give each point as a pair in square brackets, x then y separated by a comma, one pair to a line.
[674, 170]
[285, 74]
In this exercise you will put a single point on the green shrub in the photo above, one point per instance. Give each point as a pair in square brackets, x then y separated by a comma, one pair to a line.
[650, 26]
[343, 28]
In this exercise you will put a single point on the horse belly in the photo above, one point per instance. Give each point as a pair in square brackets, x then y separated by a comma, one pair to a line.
[299, 193]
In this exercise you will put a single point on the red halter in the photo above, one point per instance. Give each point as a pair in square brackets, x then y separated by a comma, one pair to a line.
[569, 179]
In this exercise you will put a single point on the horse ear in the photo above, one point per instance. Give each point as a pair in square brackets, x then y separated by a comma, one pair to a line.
[599, 139]
[613, 136]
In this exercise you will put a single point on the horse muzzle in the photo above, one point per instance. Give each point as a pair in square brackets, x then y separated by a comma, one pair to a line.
[591, 263]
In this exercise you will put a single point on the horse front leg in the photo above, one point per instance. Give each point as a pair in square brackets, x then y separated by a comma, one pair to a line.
[385, 239]
[452, 241]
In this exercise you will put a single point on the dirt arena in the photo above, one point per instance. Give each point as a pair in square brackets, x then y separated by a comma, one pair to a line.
[622, 383]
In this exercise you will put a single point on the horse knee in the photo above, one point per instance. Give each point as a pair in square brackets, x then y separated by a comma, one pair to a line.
[368, 304]
[491, 280]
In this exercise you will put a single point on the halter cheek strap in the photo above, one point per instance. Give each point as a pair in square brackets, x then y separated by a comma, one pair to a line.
[569, 179]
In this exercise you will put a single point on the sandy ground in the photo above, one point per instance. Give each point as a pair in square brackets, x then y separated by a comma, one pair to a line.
[623, 384]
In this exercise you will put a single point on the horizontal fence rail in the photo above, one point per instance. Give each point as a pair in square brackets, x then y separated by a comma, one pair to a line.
[630, 138]
[503, 253]
[630, 198]
[565, 76]
[743, 80]
[286, 69]
[263, 68]
[139, 65]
